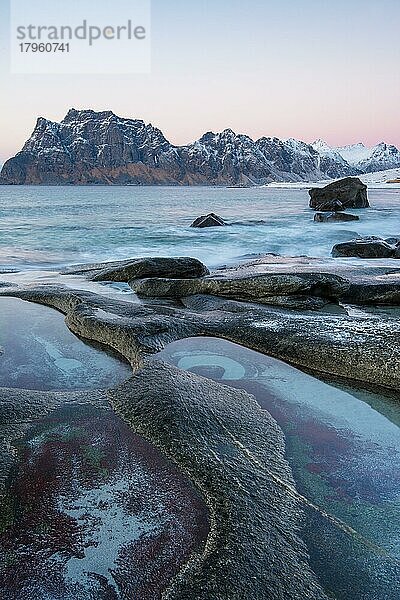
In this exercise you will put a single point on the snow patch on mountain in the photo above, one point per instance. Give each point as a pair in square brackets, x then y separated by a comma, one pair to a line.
[389, 175]
[376, 158]
[354, 153]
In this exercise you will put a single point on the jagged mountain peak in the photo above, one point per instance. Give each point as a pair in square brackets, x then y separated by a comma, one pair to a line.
[321, 144]
[80, 115]
[355, 145]
[366, 159]
[225, 134]
[89, 146]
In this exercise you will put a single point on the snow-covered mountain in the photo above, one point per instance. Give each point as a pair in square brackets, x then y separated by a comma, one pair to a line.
[368, 160]
[89, 147]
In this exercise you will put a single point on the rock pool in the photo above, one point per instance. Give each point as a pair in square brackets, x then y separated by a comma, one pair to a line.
[343, 444]
[38, 352]
[88, 509]
[94, 511]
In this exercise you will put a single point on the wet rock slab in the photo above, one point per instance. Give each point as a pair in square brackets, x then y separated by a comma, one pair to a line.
[137, 268]
[298, 283]
[234, 452]
[351, 344]
[368, 247]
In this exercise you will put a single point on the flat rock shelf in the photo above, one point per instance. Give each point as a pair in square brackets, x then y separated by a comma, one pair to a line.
[342, 443]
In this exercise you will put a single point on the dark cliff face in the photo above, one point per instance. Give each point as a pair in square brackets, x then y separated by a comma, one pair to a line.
[89, 147]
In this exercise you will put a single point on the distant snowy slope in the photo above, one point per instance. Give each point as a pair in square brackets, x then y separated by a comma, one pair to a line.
[365, 160]
[378, 158]
[354, 153]
[383, 156]
[381, 176]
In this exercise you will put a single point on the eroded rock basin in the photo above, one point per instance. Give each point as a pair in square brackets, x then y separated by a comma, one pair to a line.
[94, 511]
[89, 509]
[343, 444]
[38, 352]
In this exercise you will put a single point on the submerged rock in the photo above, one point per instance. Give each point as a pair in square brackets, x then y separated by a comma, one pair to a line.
[334, 217]
[367, 247]
[351, 192]
[210, 220]
[91, 490]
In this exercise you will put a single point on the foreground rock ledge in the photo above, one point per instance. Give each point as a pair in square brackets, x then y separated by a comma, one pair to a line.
[299, 283]
[356, 346]
[233, 451]
[253, 550]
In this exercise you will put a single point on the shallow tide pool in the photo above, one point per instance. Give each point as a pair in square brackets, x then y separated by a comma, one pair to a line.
[93, 511]
[343, 445]
[90, 510]
[39, 352]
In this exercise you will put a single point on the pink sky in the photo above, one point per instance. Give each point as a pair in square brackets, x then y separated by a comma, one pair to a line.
[301, 68]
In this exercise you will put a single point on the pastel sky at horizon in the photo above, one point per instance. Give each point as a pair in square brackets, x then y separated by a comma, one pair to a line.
[306, 69]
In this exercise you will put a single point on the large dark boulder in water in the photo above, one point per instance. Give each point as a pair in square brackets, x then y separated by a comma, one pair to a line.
[210, 220]
[182, 267]
[367, 247]
[334, 217]
[351, 192]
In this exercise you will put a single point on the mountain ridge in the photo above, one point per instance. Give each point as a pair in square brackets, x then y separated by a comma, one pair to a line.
[89, 147]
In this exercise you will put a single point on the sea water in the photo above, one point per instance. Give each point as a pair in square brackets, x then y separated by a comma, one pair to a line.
[48, 227]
